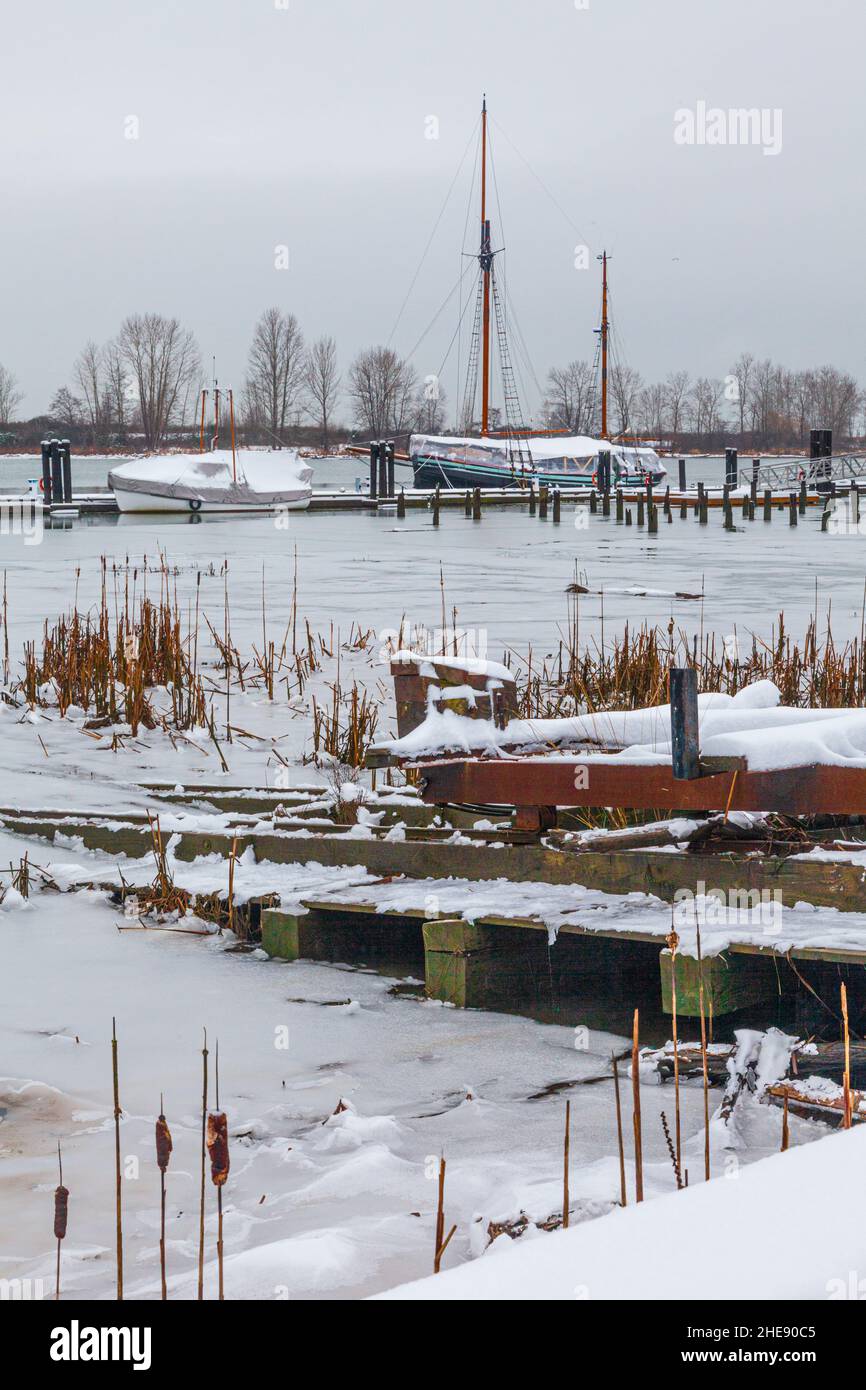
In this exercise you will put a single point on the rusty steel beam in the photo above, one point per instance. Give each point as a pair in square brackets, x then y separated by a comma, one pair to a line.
[526, 782]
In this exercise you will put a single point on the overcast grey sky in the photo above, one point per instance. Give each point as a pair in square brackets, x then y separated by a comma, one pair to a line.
[306, 125]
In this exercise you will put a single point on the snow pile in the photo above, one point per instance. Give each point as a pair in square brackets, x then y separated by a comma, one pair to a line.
[649, 1250]
[751, 724]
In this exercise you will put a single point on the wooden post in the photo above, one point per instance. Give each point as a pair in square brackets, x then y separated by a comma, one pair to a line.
[593, 502]
[728, 513]
[557, 505]
[620, 505]
[467, 503]
[374, 469]
[542, 502]
[476, 504]
[46, 471]
[684, 722]
[436, 505]
[802, 506]
[731, 467]
[389, 447]
[682, 470]
[756, 463]
[532, 499]
[401, 504]
[768, 504]
[652, 520]
[640, 509]
[635, 1091]
[792, 509]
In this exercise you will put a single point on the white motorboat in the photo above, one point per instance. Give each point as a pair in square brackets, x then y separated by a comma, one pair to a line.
[248, 480]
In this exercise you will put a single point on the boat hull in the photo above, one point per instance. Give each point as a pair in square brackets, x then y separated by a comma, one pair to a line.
[434, 472]
[129, 501]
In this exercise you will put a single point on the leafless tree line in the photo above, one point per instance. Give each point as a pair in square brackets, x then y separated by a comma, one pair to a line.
[757, 398]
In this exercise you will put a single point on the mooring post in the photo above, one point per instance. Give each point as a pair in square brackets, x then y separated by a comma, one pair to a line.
[557, 505]
[374, 468]
[756, 463]
[593, 502]
[628, 516]
[467, 503]
[792, 508]
[684, 511]
[401, 504]
[46, 471]
[652, 519]
[383, 471]
[728, 510]
[604, 470]
[684, 723]
[667, 501]
[56, 472]
[682, 464]
[542, 502]
[802, 504]
[66, 460]
[436, 505]
[768, 504]
[390, 460]
[532, 499]
[731, 467]
[855, 503]
[619, 504]
[640, 509]
[476, 504]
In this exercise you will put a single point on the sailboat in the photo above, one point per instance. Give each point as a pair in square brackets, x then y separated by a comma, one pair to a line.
[214, 479]
[514, 457]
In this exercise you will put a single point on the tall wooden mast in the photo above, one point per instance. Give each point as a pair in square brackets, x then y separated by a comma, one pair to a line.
[604, 330]
[485, 260]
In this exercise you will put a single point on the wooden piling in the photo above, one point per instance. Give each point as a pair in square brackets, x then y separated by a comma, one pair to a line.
[532, 499]
[476, 504]
[435, 506]
[792, 509]
[542, 502]
[557, 505]
[768, 504]
[620, 505]
[622, 1191]
[593, 502]
[652, 519]
[640, 509]
[635, 1091]
[685, 745]
[401, 505]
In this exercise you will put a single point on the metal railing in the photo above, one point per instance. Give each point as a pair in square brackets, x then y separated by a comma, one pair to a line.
[787, 474]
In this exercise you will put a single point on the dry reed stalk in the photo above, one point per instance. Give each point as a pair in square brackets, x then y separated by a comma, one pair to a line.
[117, 1173]
[635, 1090]
[218, 1149]
[621, 1146]
[61, 1216]
[674, 1160]
[566, 1145]
[704, 1055]
[203, 1151]
[442, 1241]
[163, 1155]
[673, 942]
[785, 1133]
[846, 1079]
[231, 903]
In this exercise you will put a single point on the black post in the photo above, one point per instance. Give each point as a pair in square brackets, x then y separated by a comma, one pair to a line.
[731, 467]
[557, 504]
[756, 463]
[383, 471]
[67, 470]
[46, 471]
[401, 504]
[820, 449]
[684, 722]
[390, 451]
[682, 475]
[56, 472]
[604, 470]
[374, 469]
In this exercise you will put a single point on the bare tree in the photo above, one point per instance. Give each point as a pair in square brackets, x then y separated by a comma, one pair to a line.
[570, 401]
[66, 410]
[322, 383]
[381, 387]
[10, 396]
[430, 402]
[651, 406]
[676, 396]
[704, 405]
[625, 385]
[741, 381]
[164, 363]
[275, 371]
[117, 389]
[88, 375]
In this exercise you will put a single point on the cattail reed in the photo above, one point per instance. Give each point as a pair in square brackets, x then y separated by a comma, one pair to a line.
[673, 942]
[61, 1216]
[117, 1172]
[566, 1145]
[623, 1197]
[846, 1079]
[635, 1088]
[203, 1154]
[704, 1064]
[218, 1149]
[163, 1155]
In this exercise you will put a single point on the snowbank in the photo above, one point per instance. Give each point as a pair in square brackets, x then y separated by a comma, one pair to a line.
[731, 1238]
